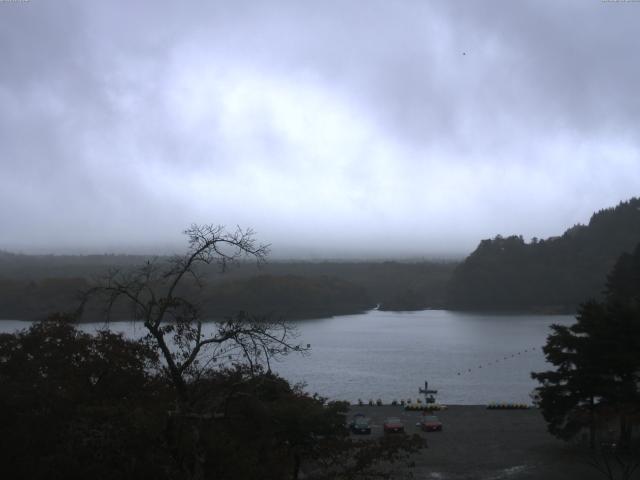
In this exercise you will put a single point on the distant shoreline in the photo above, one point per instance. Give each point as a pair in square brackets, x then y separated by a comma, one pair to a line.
[312, 317]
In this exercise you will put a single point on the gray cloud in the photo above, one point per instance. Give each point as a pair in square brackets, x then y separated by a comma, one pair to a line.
[337, 128]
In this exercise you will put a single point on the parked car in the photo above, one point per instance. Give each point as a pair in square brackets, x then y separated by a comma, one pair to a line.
[393, 425]
[430, 423]
[360, 424]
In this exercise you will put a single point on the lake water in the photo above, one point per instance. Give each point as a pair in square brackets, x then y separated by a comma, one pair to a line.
[469, 358]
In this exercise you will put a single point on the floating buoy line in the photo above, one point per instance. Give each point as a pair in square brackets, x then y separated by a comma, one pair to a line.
[496, 361]
[508, 406]
[224, 355]
[407, 404]
[430, 404]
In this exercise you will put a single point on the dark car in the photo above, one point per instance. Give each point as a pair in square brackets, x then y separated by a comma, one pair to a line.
[430, 423]
[393, 425]
[360, 424]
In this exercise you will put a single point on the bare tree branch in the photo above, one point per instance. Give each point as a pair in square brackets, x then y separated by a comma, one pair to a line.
[175, 323]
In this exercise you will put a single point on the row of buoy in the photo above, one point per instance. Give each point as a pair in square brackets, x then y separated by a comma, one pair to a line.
[413, 407]
[507, 357]
[407, 404]
[508, 406]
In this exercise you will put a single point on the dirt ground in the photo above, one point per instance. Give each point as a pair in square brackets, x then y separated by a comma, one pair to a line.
[482, 444]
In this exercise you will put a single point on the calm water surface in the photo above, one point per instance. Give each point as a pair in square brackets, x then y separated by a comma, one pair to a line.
[469, 358]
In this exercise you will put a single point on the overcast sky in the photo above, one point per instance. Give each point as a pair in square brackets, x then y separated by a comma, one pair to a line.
[333, 128]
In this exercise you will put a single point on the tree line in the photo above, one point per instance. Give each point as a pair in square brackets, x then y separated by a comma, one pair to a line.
[33, 286]
[553, 275]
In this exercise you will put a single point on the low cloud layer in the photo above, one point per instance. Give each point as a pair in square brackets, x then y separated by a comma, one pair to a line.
[364, 128]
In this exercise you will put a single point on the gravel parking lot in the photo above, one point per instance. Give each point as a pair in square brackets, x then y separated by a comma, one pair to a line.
[482, 444]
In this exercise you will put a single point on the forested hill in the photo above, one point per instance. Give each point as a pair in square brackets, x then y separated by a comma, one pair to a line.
[552, 275]
[33, 286]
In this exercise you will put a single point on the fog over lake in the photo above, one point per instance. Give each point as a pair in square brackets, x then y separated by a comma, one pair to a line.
[335, 129]
[470, 358]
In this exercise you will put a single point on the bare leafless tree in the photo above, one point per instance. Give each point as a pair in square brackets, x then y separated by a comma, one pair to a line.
[155, 294]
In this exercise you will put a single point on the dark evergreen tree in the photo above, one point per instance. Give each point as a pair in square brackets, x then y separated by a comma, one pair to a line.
[597, 360]
[569, 394]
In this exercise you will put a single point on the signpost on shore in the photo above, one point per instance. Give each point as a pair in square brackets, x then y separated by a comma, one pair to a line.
[429, 395]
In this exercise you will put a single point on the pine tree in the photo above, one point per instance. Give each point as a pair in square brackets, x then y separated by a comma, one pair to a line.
[597, 361]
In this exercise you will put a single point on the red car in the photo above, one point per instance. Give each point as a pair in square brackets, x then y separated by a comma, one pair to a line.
[430, 423]
[393, 425]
